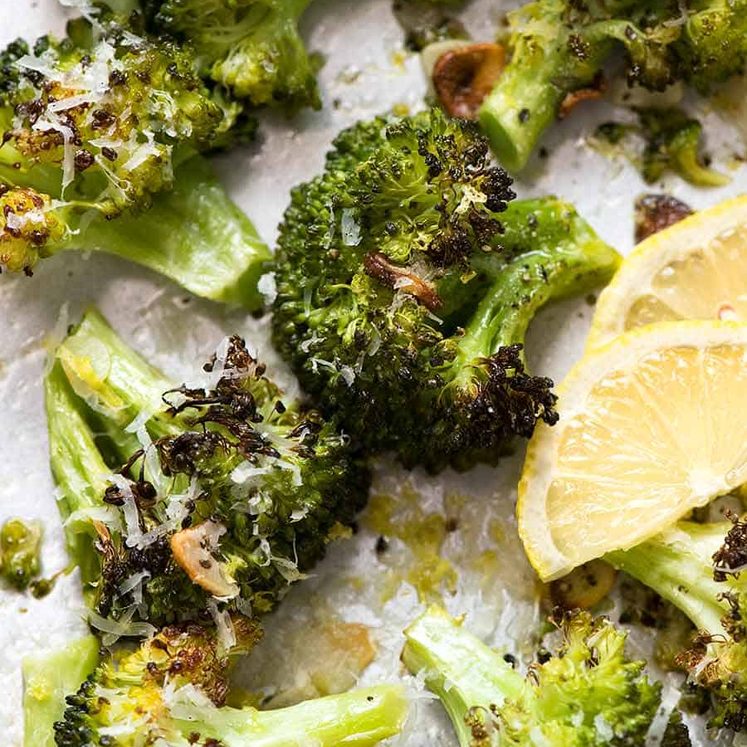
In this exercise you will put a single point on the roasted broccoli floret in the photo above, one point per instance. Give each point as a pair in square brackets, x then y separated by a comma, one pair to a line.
[559, 47]
[587, 695]
[673, 143]
[252, 48]
[106, 126]
[172, 691]
[663, 140]
[405, 284]
[181, 502]
[697, 568]
[20, 547]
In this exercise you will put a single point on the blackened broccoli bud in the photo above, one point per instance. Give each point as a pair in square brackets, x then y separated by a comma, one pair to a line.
[406, 280]
[232, 495]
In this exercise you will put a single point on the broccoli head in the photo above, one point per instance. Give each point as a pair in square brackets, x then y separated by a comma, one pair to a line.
[673, 143]
[558, 48]
[186, 501]
[106, 124]
[588, 694]
[103, 123]
[252, 48]
[172, 691]
[697, 567]
[405, 284]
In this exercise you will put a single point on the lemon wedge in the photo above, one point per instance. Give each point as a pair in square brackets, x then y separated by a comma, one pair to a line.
[651, 426]
[695, 269]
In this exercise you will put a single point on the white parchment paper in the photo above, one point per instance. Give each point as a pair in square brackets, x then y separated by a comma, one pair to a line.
[366, 72]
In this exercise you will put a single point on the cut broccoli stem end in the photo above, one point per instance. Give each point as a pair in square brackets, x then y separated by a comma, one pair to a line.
[47, 680]
[467, 675]
[114, 380]
[194, 235]
[359, 718]
[677, 565]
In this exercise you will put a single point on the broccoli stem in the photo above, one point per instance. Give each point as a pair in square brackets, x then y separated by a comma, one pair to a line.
[47, 679]
[78, 469]
[677, 565]
[459, 668]
[529, 92]
[114, 380]
[567, 257]
[193, 234]
[359, 718]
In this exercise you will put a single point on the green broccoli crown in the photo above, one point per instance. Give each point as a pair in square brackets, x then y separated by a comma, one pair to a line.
[227, 495]
[99, 122]
[698, 568]
[104, 124]
[405, 284]
[717, 660]
[251, 47]
[172, 690]
[587, 694]
[126, 694]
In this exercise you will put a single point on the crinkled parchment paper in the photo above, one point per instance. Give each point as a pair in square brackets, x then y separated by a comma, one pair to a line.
[484, 573]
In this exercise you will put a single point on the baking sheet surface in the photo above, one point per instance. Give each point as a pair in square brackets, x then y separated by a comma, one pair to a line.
[366, 72]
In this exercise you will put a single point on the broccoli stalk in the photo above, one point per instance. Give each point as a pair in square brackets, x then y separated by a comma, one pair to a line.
[406, 281]
[190, 501]
[79, 470]
[697, 568]
[194, 235]
[47, 680]
[565, 256]
[106, 127]
[587, 695]
[252, 48]
[172, 690]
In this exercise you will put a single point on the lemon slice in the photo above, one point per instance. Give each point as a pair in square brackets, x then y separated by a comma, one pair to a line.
[651, 426]
[695, 269]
